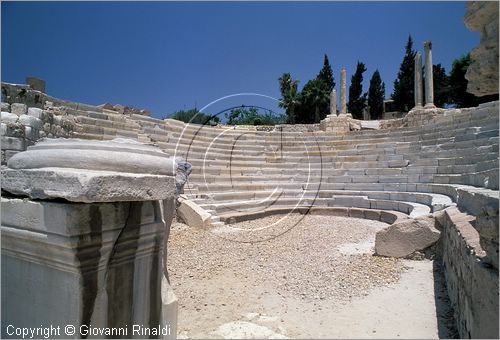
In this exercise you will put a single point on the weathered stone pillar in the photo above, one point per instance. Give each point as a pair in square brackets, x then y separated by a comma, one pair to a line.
[429, 85]
[418, 80]
[333, 103]
[343, 100]
[83, 230]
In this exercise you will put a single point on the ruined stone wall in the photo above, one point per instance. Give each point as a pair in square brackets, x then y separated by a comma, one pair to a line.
[23, 126]
[15, 93]
[472, 283]
[284, 127]
[388, 124]
[299, 127]
[421, 117]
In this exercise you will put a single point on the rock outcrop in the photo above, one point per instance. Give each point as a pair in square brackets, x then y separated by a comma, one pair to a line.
[482, 74]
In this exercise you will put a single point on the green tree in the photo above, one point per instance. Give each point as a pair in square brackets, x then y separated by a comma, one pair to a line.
[440, 84]
[458, 94]
[326, 74]
[193, 116]
[357, 100]
[312, 103]
[376, 95]
[314, 95]
[403, 94]
[251, 116]
[441, 87]
[289, 96]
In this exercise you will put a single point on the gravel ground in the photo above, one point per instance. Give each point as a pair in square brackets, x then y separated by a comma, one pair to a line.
[305, 261]
[219, 275]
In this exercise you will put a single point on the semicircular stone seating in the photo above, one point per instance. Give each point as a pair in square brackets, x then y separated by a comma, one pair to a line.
[243, 173]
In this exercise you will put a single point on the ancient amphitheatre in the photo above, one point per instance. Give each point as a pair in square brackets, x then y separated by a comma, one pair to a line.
[343, 229]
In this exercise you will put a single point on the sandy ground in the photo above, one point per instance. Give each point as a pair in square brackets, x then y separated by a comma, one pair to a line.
[226, 289]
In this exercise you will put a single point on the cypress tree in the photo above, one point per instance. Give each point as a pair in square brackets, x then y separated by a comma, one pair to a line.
[376, 95]
[357, 100]
[403, 94]
[326, 74]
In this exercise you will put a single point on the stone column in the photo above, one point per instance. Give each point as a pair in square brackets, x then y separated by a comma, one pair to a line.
[429, 85]
[418, 80]
[333, 103]
[343, 103]
[83, 228]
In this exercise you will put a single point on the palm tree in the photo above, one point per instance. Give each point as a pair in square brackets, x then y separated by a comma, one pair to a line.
[289, 95]
[316, 94]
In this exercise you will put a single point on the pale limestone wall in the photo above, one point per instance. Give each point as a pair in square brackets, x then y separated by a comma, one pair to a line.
[422, 117]
[482, 16]
[22, 126]
[472, 284]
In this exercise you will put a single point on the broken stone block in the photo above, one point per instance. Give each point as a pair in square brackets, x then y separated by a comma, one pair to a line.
[192, 214]
[18, 109]
[36, 112]
[404, 238]
[8, 117]
[31, 121]
[31, 133]
[13, 143]
[5, 107]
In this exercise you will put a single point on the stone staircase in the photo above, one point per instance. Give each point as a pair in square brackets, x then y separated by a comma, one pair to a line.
[105, 125]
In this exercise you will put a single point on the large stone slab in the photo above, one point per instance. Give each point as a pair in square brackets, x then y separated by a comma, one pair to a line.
[91, 171]
[192, 214]
[403, 238]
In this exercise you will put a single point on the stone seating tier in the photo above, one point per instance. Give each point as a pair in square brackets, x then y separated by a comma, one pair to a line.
[458, 147]
[443, 162]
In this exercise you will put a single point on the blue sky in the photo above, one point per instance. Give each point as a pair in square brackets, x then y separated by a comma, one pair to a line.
[167, 56]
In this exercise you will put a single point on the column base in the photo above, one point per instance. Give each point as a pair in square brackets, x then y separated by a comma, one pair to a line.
[336, 124]
[429, 106]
